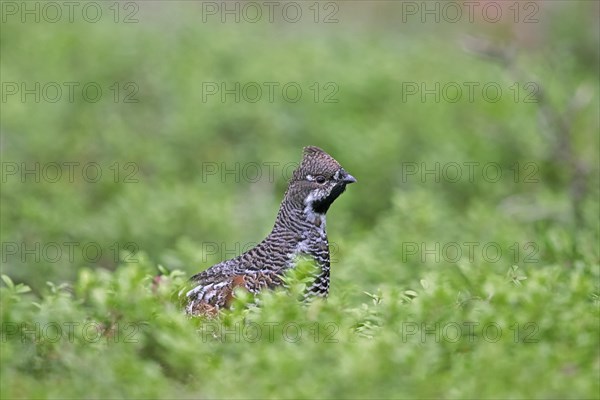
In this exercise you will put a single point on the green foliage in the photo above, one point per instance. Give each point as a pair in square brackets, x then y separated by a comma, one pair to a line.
[407, 316]
[462, 325]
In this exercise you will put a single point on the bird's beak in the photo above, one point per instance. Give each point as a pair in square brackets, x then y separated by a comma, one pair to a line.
[349, 179]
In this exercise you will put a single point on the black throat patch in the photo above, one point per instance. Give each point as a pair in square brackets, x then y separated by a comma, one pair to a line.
[321, 206]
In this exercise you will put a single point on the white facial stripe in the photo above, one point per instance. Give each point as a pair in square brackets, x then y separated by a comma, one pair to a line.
[308, 210]
[310, 178]
[308, 201]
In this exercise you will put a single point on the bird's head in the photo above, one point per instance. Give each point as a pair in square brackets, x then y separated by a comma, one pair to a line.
[318, 180]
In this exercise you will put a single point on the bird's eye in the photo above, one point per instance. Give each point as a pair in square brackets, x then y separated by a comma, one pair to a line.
[320, 179]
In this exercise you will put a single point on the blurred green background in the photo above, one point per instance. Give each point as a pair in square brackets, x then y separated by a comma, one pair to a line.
[384, 89]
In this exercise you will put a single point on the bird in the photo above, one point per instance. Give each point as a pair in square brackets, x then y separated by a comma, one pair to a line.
[299, 232]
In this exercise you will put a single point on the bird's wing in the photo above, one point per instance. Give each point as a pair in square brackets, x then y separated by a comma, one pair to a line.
[215, 287]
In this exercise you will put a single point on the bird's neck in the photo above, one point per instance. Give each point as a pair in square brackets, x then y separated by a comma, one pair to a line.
[304, 233]
[299, 218]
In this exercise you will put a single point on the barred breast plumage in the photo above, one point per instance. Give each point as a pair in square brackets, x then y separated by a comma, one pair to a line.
[299, 230]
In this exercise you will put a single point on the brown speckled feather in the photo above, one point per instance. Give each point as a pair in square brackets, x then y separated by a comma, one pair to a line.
[300, 229]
